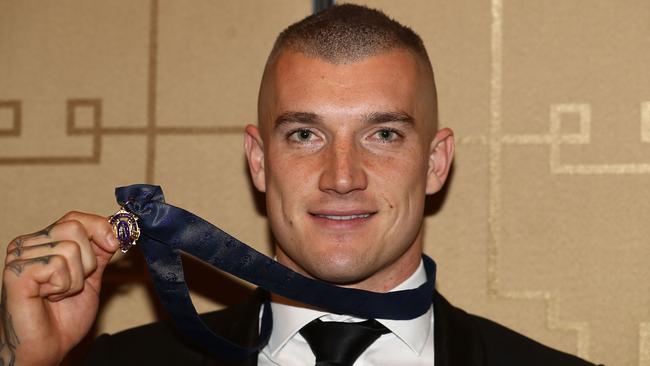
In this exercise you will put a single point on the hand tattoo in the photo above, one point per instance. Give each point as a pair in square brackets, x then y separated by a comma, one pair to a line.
[19, 242]
[18, 266]
[18, 251]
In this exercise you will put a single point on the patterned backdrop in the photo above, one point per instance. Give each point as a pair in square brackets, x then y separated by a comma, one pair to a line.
[544, 226]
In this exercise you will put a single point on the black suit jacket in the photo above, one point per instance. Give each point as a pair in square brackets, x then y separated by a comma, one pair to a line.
[461, 339]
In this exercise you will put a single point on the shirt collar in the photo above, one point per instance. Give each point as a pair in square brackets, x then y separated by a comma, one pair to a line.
[289, 319]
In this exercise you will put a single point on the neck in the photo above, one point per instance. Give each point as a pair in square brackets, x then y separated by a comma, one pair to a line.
[412, 281]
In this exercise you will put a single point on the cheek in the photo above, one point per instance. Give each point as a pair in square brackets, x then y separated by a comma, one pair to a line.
[288, 181]
[404, 195]
[399, 176]
[401, 184]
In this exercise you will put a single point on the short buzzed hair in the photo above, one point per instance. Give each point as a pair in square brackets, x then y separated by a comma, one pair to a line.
[348, 33]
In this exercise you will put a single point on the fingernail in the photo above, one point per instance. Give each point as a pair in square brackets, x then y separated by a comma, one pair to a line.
[112, 241]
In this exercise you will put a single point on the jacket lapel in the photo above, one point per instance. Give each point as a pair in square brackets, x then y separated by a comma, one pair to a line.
[456, 339]
[239, 324]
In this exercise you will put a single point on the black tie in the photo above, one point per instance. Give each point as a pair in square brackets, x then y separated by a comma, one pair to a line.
[339, 343]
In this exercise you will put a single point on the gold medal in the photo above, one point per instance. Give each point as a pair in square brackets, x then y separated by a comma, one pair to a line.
[125, 228]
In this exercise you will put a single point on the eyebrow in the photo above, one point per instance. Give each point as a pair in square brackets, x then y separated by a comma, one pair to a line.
[371, 118]
[385, 117]
[297, 117]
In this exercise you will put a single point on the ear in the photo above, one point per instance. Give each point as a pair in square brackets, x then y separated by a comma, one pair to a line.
[254, 147]
[441, 154]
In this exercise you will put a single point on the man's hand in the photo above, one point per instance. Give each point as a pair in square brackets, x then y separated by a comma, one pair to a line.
[51, 286]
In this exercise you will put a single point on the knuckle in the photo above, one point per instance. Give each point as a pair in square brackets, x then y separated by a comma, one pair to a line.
[73, 228]
[60, 281]
[58, 262]
[12, 253]
[92, 264]
[88, 265]
[77, 284]
[105, 226]
[16, 242]
[70, 215]
[60, 277]
[13, 271]
[12, 244]
[8, 268]
[77, 216]
[69, 248]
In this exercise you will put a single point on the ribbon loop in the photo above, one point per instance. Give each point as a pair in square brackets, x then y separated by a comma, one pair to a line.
[167, 230]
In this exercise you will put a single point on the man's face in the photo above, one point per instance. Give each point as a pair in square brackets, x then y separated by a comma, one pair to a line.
[346, 154]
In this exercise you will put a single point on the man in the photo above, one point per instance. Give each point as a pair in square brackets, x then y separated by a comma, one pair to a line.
[346, 149]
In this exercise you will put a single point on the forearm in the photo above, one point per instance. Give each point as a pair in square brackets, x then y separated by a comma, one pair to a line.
[9, 340]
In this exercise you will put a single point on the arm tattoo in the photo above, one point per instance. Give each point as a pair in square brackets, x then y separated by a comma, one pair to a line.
[18, 266]
[9, 340]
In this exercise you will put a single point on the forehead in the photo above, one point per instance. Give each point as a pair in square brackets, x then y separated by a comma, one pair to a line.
[390, 81]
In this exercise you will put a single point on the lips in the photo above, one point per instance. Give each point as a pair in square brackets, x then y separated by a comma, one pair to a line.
[344, 217]
[341, 221]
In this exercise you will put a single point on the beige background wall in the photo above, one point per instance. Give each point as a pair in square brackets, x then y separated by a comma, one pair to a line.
[544, 226]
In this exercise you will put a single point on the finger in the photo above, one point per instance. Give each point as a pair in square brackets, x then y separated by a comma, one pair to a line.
[97, 228]
[45, 277]
[69, 228]
[74, 231]
[37, 237]
[30, 251]
[69, 250]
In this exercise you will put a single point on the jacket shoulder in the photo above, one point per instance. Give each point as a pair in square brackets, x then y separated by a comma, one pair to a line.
[496, 344]
[161, 344]
[509, 347]
[156, 343]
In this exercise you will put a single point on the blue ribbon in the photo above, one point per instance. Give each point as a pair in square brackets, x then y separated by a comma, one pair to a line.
[167, 230]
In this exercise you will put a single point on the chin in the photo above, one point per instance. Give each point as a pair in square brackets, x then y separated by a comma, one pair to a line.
[340, 271]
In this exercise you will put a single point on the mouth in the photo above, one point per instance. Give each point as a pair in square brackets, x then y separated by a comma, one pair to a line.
[343, 217]
[342, 220]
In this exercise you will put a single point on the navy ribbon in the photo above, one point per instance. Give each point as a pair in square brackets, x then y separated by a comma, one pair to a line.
[167, 230]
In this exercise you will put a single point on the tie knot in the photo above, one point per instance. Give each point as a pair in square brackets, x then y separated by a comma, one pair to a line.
[339, 343]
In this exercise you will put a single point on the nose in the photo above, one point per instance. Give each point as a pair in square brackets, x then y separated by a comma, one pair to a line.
[343, 169]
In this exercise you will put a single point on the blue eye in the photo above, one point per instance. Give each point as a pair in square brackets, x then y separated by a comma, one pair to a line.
[301, 135]
[387, 135]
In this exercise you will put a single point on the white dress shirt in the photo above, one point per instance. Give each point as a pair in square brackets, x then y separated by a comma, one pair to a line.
[410, 342]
